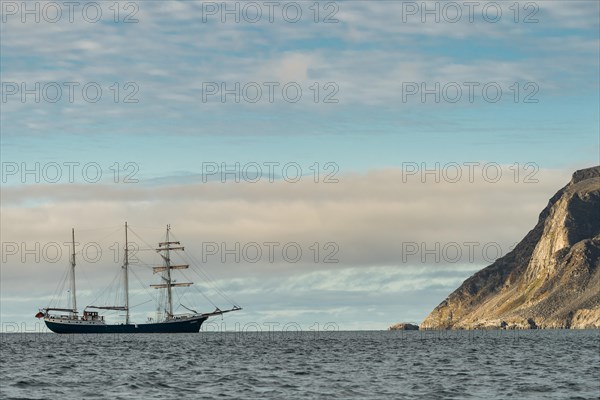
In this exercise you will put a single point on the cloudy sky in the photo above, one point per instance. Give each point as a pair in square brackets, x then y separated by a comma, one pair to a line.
[348, 162]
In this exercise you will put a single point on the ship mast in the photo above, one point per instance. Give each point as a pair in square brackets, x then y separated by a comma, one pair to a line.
[167, 247]
[126, 272]
[169, 283]
[73, 296]
[125, 267]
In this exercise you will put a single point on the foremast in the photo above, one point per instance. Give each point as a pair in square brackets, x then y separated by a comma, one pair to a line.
[126, 277]
[164, 249]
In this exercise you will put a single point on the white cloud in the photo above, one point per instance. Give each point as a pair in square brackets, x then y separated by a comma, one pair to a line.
[369, 217]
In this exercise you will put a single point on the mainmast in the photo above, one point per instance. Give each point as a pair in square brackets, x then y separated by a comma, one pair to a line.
[125, 285]
[167, 247]
[73, 296]
[126, 272]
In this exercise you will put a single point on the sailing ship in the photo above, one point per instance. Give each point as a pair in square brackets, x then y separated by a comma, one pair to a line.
[68, 320]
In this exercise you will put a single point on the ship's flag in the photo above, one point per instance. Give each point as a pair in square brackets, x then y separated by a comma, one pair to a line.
[39, 314]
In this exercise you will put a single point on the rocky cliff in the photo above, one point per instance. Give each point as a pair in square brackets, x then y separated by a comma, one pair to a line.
[550, 280]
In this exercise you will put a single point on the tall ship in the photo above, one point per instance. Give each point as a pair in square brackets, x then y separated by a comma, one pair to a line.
[69, 320]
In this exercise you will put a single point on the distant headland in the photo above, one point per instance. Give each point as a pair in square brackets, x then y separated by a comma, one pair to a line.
[550, 280]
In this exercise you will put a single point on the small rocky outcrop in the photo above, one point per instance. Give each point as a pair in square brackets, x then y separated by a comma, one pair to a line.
[404, 326]
[550, 280]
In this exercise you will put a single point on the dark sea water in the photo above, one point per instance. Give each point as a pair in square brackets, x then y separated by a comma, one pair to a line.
[326, 365]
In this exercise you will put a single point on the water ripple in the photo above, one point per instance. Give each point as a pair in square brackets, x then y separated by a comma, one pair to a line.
[333, 365]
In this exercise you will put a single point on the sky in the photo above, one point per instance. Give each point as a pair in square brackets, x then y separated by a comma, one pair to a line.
[339, 162]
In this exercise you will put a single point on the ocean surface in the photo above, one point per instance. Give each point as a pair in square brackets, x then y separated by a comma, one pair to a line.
[558, 364]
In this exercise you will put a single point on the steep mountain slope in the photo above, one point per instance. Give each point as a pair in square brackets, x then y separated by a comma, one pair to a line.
[550, 280]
